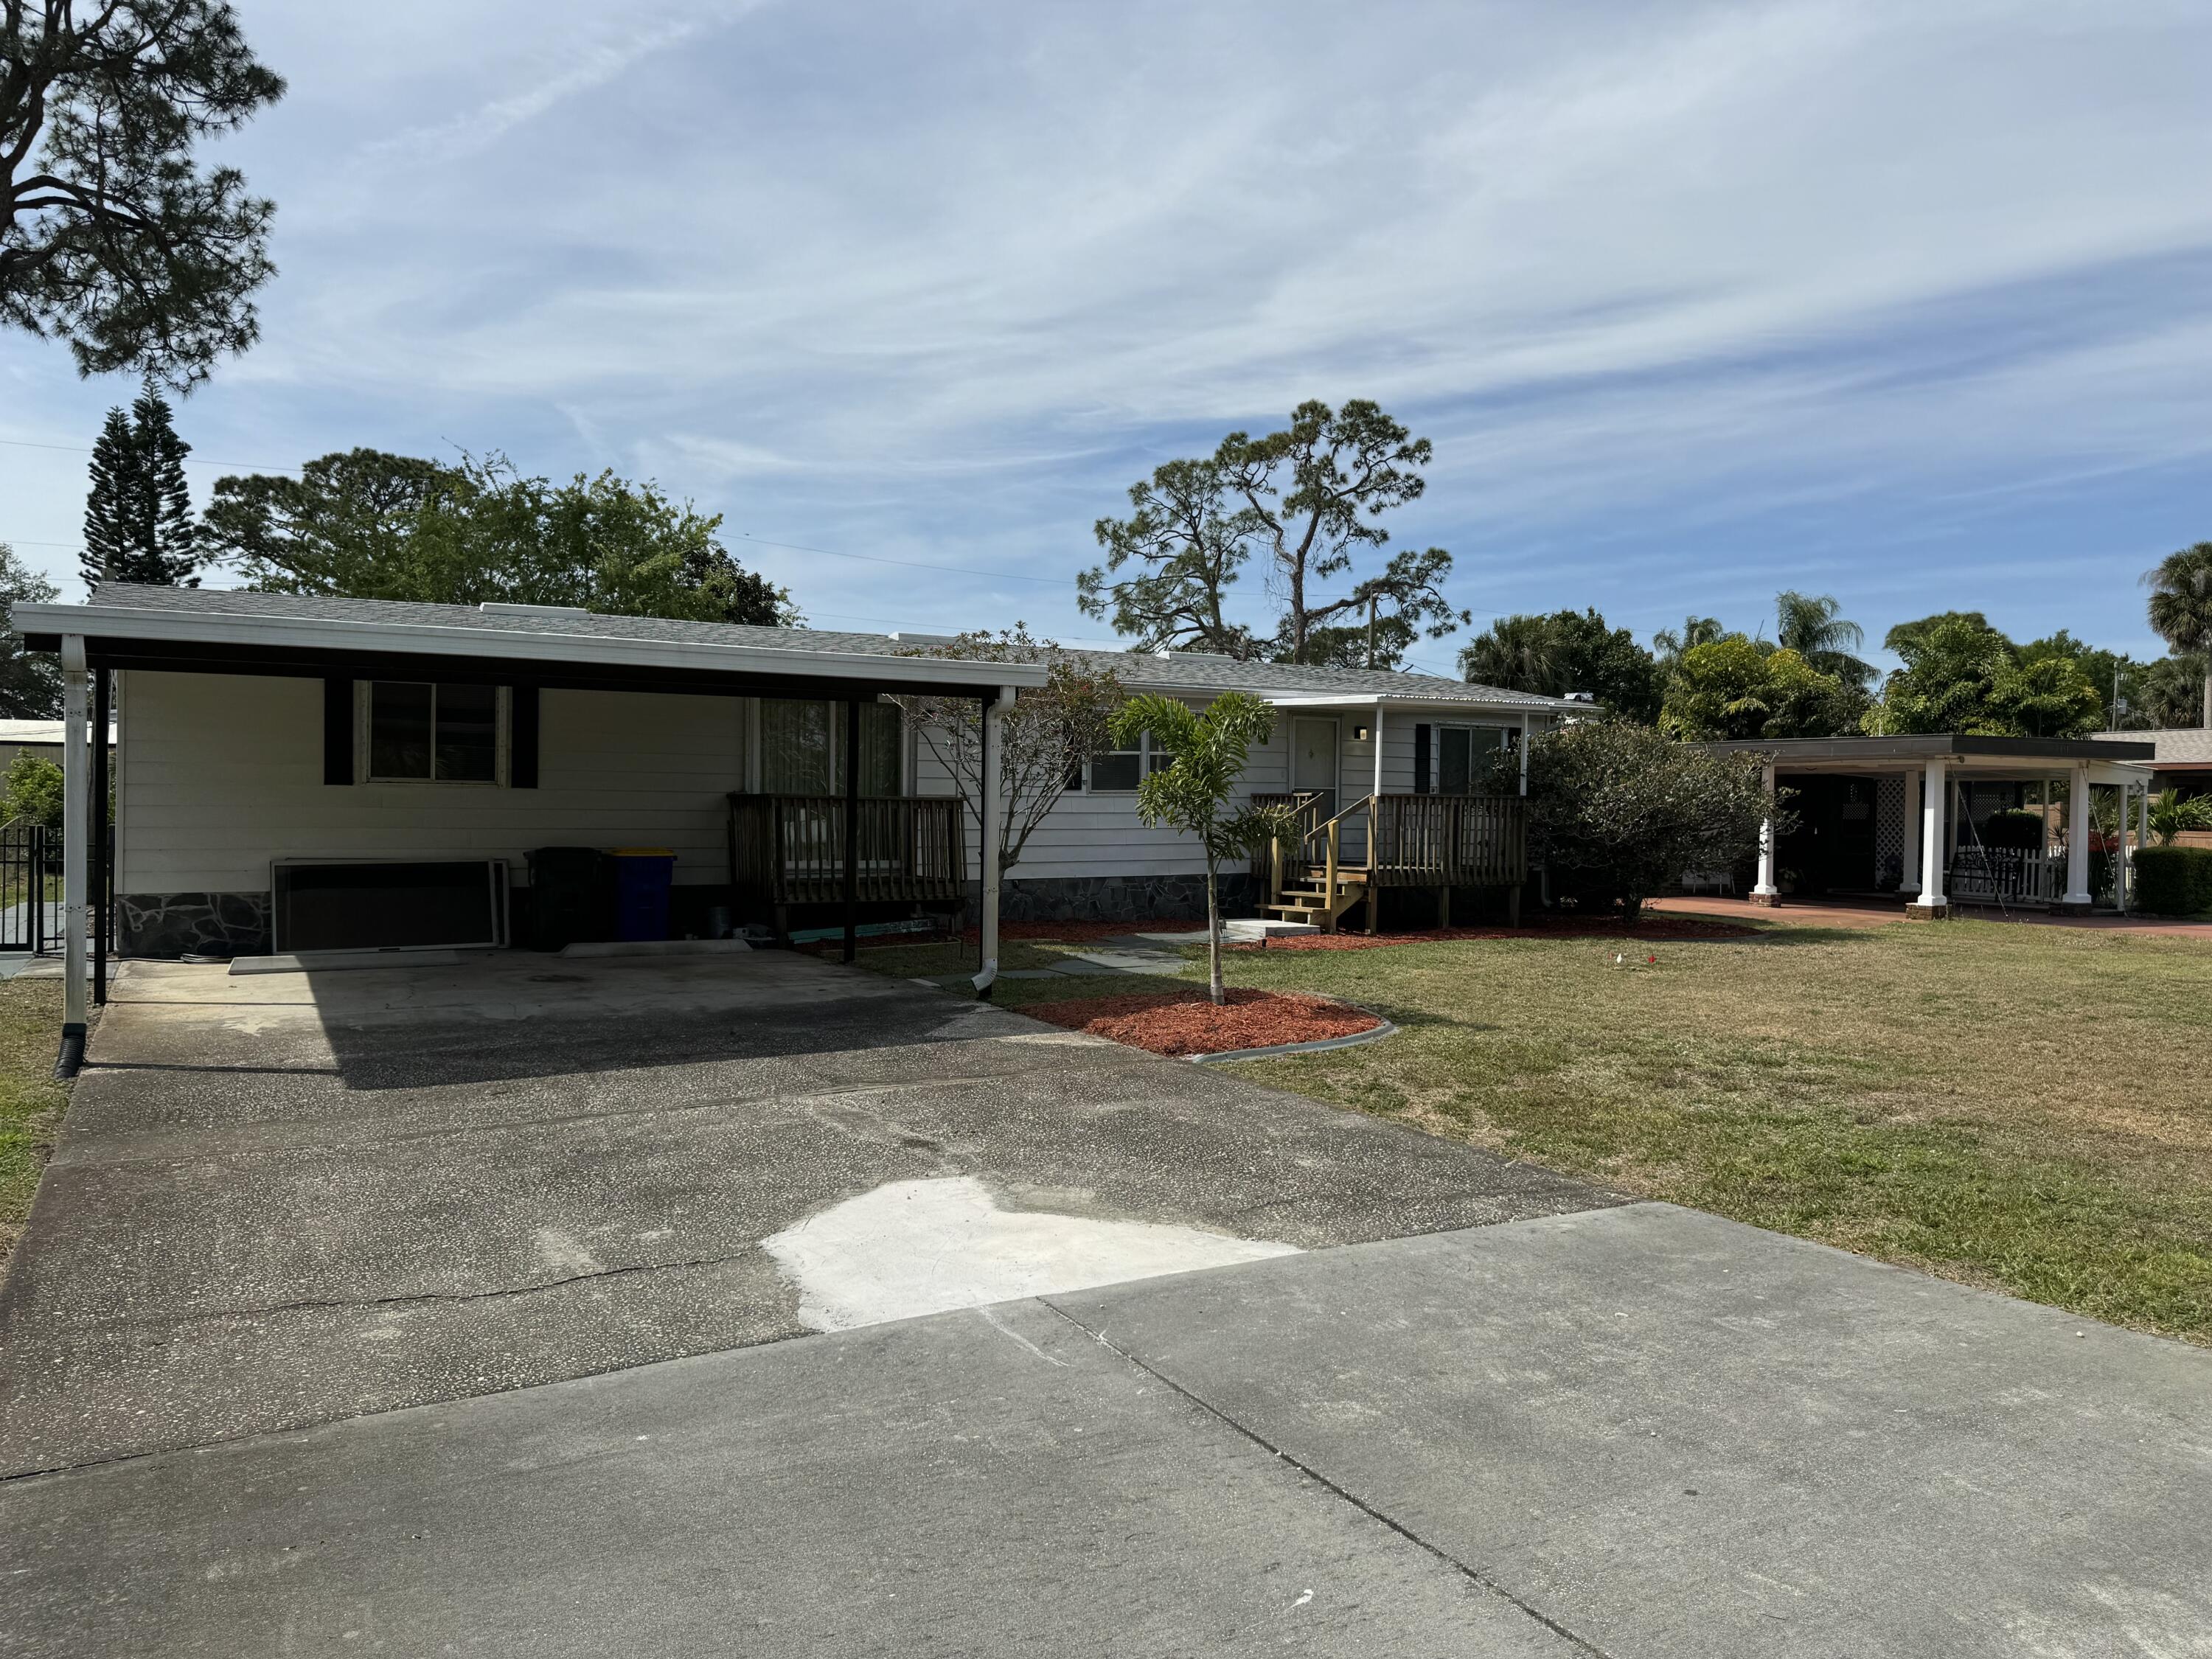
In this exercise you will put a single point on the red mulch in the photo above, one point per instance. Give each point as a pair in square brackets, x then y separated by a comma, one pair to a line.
[1652, 927]
[1186, 1023]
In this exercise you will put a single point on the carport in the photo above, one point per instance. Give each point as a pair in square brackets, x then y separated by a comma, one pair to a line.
[1907, 815]
[165, 641]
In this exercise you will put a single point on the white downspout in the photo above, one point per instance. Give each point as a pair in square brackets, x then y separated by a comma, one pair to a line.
[989, 809]
[76, 809]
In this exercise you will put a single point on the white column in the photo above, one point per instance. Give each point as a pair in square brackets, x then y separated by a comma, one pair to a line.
[1378, 749]
[1930, 900]
[76, 757]
[1524, 752]
[2077, 839]
[1909, 835]
[1766, 892]
[991, 786]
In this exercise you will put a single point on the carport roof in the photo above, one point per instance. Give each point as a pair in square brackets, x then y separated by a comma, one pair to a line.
[218, 630]
[1943, 745]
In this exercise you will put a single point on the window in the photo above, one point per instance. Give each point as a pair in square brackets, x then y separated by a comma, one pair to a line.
[1116, 771]
[1464, 757]
[803, 747]
[421, 733]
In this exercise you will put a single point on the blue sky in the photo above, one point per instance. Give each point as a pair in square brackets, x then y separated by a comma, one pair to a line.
[1906, 302]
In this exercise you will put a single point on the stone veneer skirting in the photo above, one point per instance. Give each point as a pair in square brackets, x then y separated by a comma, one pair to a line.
[191, 924]
[1117, 898]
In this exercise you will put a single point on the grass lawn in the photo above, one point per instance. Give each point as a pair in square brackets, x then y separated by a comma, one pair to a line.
[30, 1100]
[2017, 1107]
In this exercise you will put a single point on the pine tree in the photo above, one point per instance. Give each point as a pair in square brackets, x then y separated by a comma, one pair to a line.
[138, 525]
[107, 509]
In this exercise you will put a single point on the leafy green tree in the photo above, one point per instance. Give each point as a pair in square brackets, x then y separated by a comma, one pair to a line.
[2181, 607]
[1515, 653]
[1732, 688]
[2169, 693]
[1623, 809]
[138, 525]
[1211, 749]
[1671, 642]
[1962, 675]
[1307, 499]
[115, 237]
[30, 686]
[2111, 672]
[1910, 633]
[32, 790]
[1566, 650]
[367, 524]
[1814, 626]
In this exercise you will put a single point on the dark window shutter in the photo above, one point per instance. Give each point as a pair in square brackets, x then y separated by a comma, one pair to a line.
[1421, 740]
[522, 737]
[337, 731]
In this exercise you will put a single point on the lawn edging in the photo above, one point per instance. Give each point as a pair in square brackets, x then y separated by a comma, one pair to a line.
[1319, 1045]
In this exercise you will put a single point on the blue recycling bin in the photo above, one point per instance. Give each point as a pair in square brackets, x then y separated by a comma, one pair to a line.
[642, 877]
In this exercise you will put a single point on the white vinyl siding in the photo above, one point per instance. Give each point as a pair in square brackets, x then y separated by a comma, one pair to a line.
[224, 773]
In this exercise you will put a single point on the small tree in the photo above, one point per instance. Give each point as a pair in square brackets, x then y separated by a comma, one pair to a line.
[2181, 607]
[1210, 750]
[2169, 815]
[1628, 811]
[32, 790]
[1731, 688]
[30, 686]
[1048, 735]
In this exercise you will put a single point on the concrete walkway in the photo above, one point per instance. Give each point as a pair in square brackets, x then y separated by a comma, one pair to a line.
[1638, 1433]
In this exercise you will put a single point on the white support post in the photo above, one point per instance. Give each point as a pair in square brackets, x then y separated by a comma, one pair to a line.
[2078, 896]
[1378, 750]
[1909, 835]
[76, 755]
[1524, 752]
[992, 787]
[2123, 866]
[1765, 891]
[1930, 901]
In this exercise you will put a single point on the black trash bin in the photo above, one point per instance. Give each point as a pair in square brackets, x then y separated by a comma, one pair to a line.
[571, 896]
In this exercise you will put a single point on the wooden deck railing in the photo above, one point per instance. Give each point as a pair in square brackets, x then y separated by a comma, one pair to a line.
[790, 850]
[1410, 841]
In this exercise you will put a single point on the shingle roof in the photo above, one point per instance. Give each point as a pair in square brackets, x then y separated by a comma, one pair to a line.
[1178, 671]
[2178, 746]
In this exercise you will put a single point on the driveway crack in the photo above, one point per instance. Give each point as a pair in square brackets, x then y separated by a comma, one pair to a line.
[1466, 1569]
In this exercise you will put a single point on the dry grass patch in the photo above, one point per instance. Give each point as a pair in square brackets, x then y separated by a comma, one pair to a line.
[31, 1102]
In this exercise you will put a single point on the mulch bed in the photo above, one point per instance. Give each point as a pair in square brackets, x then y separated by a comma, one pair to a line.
[1651, 927]
[1186, 1023]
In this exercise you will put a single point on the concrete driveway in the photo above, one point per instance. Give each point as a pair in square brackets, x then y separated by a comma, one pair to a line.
[1419, 1400]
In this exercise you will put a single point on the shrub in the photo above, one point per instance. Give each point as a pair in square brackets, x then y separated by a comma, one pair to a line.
[1622, 811]
[2013, 826]
[2173, 881]
[33, 790]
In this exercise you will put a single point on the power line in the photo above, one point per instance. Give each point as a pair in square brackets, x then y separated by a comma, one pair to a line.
[910, 564]
[76, 449]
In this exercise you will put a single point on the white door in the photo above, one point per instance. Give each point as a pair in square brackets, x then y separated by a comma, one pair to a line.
[1313, 763]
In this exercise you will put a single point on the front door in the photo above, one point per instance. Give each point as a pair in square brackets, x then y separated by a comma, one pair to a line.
[1313, 763]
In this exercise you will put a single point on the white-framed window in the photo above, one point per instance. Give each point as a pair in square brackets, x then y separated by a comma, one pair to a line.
[432, 731]
[1118, 771]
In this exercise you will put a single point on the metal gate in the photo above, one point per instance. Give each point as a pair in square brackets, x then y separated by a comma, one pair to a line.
[30, 889]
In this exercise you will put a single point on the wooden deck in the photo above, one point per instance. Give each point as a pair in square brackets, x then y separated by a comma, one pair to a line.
[790, 850]
[1435, 841]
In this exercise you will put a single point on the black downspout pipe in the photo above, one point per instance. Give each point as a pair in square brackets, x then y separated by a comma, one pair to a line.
[99, 848]
[852, 829]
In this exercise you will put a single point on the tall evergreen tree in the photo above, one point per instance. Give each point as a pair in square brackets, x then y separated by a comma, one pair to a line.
[138, 524]
[107, 506]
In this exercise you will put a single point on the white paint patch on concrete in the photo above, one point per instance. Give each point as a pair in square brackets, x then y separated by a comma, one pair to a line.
[922, 1247]
[1059, 1039]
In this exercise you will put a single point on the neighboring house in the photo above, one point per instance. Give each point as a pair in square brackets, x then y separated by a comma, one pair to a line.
[270, 745]
[40, 737]
[2182, 756]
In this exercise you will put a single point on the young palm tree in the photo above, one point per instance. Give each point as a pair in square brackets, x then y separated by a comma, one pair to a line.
[1813, 625]
[1672, 642]
[2181, 606]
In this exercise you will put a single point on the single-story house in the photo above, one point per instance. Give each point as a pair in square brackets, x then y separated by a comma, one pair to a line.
[273, 748]
[2181, 756]
[39, 738]
[1951, 818]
